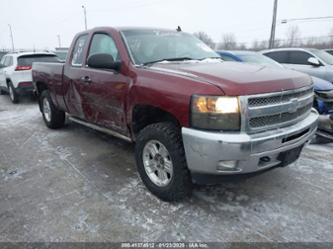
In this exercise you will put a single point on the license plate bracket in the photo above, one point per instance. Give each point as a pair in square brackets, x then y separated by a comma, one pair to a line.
[290, 156]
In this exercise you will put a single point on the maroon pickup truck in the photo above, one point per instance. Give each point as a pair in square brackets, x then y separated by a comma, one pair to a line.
[189, 113]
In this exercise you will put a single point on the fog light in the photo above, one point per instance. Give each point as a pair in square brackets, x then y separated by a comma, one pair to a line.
[226, 165]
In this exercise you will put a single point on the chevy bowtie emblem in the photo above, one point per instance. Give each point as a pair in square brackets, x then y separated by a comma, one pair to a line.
[294, 105]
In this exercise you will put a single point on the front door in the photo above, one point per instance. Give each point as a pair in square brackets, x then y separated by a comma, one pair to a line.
[104, 91]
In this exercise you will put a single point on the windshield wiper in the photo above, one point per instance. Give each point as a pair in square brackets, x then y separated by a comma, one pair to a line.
[169, 59]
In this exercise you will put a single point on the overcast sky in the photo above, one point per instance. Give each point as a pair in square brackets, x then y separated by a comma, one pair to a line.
[36, 23]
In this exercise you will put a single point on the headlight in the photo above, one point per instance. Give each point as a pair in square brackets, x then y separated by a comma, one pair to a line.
[215, 113]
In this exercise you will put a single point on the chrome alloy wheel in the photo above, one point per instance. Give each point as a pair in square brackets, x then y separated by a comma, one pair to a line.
[157, 163]
[47, 110]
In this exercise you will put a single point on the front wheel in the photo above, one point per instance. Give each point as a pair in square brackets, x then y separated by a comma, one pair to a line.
[161, 162]
[53, 117]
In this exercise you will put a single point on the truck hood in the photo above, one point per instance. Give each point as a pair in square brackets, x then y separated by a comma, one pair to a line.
[236, 79]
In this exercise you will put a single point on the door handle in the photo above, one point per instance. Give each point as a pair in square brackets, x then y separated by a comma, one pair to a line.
[85, 79]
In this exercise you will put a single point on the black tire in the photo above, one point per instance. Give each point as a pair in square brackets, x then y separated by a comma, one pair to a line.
[14, 97]
[180, 185]
[2, 92]
[56, 118]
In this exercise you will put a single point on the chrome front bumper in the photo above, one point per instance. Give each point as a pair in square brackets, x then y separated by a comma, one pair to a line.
[237, 153]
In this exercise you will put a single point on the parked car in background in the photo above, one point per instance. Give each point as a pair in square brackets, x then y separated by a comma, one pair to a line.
[248, 57]
[15, 72]
[312, 61]
[323, 101]
[330, 51]
[188, 112]
[61, 53]
[2, 53]
[323, 88]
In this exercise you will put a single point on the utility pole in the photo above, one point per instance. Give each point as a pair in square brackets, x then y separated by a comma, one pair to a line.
[85, 16]
[59, 41]
[11, 36]
[272, 37]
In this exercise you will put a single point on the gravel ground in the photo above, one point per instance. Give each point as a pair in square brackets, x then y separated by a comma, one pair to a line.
[76, 184]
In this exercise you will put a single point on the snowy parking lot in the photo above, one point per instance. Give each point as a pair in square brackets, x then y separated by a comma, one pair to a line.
[76, 184]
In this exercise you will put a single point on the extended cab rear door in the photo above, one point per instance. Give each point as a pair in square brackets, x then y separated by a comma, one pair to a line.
[72, 84]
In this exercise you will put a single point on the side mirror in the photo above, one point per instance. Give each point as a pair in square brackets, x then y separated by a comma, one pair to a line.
[314, 61]
[103, 61]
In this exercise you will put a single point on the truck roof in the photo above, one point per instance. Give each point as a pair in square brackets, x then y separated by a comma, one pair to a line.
[124, 28]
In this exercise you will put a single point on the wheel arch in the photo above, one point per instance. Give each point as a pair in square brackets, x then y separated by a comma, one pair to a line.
[144, 115]
[40, 87]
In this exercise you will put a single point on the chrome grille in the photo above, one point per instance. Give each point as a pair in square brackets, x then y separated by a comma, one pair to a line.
[278, 118]
[261, 101]
[273, 110]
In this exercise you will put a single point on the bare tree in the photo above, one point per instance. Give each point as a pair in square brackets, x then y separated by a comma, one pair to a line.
[228, 42]
[255, 45]
[330, 38]
[293, 36]
[205, 38]
[242, 46]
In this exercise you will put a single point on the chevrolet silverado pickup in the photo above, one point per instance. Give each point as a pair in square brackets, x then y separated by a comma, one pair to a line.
[188, 112]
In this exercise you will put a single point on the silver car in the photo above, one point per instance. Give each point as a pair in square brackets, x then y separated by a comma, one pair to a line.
[312, 61]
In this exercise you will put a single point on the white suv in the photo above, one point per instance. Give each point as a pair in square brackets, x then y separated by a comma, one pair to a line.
[15, 72]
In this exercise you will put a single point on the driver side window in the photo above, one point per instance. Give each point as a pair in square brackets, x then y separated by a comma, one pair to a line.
[103, 44]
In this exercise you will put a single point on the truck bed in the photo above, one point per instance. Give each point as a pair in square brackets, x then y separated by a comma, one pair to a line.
[51, 74]
[44, 71]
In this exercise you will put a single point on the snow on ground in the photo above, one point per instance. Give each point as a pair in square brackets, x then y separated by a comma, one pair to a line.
[75, 184]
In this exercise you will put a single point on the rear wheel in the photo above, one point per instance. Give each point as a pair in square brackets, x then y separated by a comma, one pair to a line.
[12, 93]
[161, 163]
[53, 117]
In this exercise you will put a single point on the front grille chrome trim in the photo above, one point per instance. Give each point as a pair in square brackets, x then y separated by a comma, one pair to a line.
[274, 110]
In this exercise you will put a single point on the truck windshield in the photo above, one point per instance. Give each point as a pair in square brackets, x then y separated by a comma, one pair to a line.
[27, 60]
[157, 45]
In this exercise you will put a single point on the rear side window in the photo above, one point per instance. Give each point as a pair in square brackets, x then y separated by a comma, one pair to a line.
[279, 56]
[77, 56]
[299, 57]
[8, 61]
[27, 60]
[2, 62]
[102, 43]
